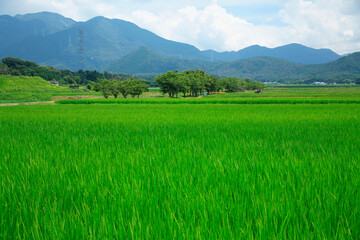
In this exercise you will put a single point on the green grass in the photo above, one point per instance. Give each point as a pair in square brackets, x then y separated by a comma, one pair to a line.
[21, 97]
[180, 172]
[28, 89]
[20, 84]
[154, 89]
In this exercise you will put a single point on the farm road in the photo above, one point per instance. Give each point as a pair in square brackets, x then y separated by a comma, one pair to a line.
[24, 103]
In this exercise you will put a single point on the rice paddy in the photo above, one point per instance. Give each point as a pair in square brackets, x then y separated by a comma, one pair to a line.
[180, 171]
[271, 95]
[211, 101]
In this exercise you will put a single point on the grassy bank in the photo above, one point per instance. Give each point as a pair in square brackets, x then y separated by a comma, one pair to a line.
[30, 89]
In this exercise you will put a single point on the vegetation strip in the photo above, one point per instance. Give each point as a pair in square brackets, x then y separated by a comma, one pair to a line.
[209, 101]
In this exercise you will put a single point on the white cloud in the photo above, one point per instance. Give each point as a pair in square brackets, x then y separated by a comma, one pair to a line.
[318, 23]
[211, 27]
[325, 23]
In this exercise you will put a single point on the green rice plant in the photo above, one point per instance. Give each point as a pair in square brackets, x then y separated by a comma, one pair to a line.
[209, 101]
[161, 171]
[343, 92]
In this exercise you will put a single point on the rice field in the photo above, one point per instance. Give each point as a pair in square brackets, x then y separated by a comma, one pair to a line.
[299, 92]
[271, 95]
[180, 171]
[211, 101]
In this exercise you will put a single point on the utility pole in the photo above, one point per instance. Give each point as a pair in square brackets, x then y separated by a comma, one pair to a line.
[81, 57]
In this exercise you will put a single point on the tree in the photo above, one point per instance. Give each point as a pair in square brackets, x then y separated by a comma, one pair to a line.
[4, 69]
[210, 83]
[184, 83]
[105, 86]
[89, 86]
[17, 63]
[220, 84]
[95, 86]
[196, 81]
[68, 79]
[123, 87]
[259, 85]
[114, 88]
[136, 87]
[234, 84]
[168, 83]
[357, 81]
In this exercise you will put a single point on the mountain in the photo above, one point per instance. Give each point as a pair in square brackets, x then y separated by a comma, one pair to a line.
[144, 61]
[258, 68]
[53, 22]
[347, 67]
[51, 39]
[276, 69]
[105, 40]
[14, 30]
[296, 53]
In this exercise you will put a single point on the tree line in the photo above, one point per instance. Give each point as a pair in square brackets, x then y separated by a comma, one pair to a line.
[133, 87]
[197, 82]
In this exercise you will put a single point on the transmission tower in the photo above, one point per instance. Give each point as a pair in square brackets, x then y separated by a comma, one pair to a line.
[81, 58]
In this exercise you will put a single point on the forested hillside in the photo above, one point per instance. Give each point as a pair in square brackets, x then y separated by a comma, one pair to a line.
[146, 62]
[17, 67]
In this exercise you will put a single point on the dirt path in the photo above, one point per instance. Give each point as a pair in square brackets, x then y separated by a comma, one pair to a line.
[24, 103]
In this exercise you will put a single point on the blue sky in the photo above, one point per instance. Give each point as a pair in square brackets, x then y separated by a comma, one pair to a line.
[258, 14]
[222, 25]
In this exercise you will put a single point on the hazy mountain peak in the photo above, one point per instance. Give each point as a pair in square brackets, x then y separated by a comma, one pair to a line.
[256, 46]
[46, 16]
[51, 22]
[98, 19]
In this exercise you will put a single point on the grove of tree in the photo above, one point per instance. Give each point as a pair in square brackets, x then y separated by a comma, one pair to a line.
[133, 87]
[198, 82]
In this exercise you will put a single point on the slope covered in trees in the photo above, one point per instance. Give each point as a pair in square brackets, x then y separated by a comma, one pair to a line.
[343, 70]
[147, 64]
[145, 61]
[17, 67]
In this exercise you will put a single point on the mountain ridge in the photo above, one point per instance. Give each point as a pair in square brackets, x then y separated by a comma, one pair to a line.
[293, 52]
[120, 46]
[144, 61]
[52, 39]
